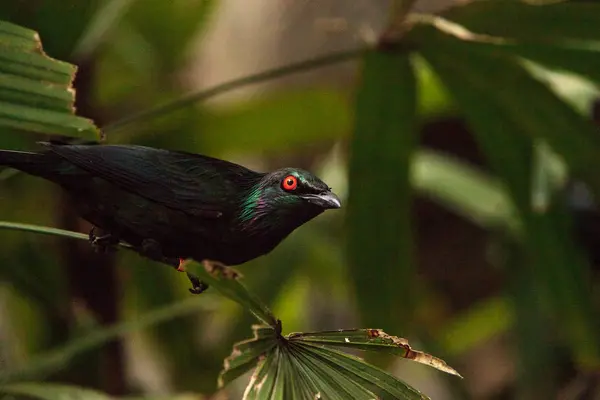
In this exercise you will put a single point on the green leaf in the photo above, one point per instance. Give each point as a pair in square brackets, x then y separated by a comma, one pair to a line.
[584, 62]
[22, 90]
[44, 230]
[44, 121]
[301, 365]
[17, 37]
[512, 90]
[281, 385]
[245, 354]
[372, 340]
[302, 380]
[279, 369]
[540, 23]
[50, 391]
[273, 283]
[533, 344]
[381, 149]
[331, 383]
[356, 368]
[35, 65]
[433, 100]
[494, 89]
[35, 90]
[234, 290]
[181, 396]
[263, 380]
[464, 189]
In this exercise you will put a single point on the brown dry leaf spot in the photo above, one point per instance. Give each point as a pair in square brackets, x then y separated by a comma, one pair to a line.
[218, 269]
[373, 333]
[415, 355]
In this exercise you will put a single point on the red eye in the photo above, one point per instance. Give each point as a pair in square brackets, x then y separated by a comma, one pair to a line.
[290, 182]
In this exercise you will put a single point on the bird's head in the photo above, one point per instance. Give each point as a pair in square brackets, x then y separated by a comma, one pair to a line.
[285, 199]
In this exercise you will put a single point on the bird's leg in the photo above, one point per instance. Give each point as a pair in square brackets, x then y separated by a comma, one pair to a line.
[216, 268]
[181, 264]
[151, 249]
[103, 242]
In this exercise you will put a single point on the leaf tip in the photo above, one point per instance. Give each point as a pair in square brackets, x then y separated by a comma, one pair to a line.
[428, 359]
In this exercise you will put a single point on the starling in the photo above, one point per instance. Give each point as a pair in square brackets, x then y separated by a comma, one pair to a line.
[171, 206]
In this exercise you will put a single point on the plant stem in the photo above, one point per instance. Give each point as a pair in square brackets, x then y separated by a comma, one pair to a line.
[46, 230]
[279, 72]
[230, 288]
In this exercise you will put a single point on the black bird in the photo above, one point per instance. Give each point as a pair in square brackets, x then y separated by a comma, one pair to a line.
[172, 205]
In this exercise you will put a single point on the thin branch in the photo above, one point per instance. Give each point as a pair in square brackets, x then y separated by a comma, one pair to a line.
[279, 72]
[46, 230]
[229, 287]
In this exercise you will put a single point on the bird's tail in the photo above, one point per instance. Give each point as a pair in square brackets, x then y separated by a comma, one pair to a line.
[22, 160]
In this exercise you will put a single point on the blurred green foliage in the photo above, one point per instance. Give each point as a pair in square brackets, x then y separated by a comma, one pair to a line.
[443, 241]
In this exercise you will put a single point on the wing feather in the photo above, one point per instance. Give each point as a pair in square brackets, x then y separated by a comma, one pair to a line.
[197, 185]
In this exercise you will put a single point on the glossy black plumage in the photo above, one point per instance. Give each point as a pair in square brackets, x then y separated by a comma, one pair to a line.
[192, 206]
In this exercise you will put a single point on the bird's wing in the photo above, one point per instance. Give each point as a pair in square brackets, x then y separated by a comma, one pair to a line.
[198, 185]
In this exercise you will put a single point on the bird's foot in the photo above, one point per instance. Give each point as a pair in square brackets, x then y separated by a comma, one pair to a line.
[197, 285]
[103, 242]
[217, 269]
[151, 249]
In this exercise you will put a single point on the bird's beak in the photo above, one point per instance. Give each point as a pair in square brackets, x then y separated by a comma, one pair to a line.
[326, 200]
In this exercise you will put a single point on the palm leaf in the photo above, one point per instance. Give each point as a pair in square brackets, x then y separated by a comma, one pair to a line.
[307, 365]
[35, 90]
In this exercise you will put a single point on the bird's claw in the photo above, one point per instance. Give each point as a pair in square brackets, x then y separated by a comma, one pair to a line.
[103, 243]
[197, 285]
[152, 249]
[217, 269]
